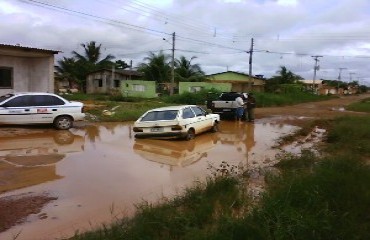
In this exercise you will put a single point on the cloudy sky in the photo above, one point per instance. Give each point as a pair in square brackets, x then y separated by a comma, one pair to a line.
[218, 32]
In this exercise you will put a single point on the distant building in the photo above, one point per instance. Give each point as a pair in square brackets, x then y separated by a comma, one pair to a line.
[109, 80]
[239, 81]
[312, 84]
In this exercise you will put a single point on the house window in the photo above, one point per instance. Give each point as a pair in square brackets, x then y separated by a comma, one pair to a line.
[195, 89]
[98, 82]
[138, 88]
[6, 77]
[117, 83]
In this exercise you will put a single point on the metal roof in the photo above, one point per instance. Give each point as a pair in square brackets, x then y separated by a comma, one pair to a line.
[17, 50]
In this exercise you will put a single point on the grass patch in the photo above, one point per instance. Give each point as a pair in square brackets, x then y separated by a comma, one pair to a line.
[349, 135]
[331, 202]
[200, 212]
[312, 198]
[131, 108]
[282, 99]
[363, 106]
[121, 111]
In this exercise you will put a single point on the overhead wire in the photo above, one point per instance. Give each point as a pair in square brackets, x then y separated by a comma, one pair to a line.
[155, 31]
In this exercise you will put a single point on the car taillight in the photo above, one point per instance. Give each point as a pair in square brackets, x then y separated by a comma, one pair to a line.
[136, 129]
[176, 128]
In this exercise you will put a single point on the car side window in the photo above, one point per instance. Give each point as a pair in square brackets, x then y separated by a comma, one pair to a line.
[198, 111]
[187, 113]
[20, 101]
[46, 100]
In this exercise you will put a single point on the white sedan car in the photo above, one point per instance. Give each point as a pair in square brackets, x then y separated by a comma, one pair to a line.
[176, 122]
[39, 108]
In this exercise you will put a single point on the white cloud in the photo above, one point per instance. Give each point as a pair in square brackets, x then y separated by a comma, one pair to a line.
[217, 32]
[287, 2]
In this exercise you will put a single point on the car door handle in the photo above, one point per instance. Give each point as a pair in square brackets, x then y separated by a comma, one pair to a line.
[54, 109]
[27, 110]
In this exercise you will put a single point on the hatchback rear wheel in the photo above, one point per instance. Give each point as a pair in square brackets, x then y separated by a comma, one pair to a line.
[63, 122]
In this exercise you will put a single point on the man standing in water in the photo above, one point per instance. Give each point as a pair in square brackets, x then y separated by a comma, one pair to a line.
[251, 104]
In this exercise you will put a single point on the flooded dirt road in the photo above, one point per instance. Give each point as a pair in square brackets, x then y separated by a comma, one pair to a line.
[96, 173]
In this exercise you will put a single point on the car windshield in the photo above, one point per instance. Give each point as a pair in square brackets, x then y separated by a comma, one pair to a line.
[2, 98]
[160, 115]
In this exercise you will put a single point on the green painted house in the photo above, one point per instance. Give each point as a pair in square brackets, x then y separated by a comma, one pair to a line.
[139, 88]
[197, 86]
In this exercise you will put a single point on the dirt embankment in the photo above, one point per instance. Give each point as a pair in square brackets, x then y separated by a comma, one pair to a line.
[15, 209]
[300, 113]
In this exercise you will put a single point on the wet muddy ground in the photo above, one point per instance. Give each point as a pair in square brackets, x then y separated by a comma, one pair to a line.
[74, 180]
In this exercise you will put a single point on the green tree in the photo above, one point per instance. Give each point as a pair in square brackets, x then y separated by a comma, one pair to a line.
[92, 54]
[67, 70]
[185, 71]
[120, 64]
[284, 76]
[91, 60]
[156, 67]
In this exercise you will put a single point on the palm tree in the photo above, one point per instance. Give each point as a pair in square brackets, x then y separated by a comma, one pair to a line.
[286, 76]
[157, 67]
[92, 54]
[187, 72]
[120, 64]
[90, 61]
[66, 70]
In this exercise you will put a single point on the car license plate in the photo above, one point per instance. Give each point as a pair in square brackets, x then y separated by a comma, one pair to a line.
[156, 129]
[226, 110]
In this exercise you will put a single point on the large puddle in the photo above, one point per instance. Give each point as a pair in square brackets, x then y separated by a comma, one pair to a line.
[98, 172]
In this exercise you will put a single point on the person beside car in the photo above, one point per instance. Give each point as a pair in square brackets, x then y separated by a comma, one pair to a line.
[251, 104]
[239, 108]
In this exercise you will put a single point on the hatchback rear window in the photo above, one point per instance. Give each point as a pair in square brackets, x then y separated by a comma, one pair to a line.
[160, 115]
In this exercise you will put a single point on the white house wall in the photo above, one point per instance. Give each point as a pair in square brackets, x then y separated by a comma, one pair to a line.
[41, 75]
[30, 74]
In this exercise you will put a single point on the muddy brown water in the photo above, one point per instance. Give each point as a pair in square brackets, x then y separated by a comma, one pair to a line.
[98, 172]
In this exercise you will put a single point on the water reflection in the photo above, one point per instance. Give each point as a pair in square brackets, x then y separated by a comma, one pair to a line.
[175, 153]
[237, 134]
[111, 167]
[30, 159]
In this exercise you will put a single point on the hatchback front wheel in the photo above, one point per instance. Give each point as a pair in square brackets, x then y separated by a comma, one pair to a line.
[214, 127]
[190, 134]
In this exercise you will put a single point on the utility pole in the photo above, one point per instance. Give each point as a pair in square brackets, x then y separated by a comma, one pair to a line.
[350, 76]
[340, 77]
[250, 65]
[173, 64]
[316, 68]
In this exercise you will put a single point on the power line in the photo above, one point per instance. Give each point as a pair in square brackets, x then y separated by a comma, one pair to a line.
[158, 32]
[132, 26]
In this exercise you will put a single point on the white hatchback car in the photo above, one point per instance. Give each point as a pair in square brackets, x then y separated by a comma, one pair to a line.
[39, 108]
[176, 122]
